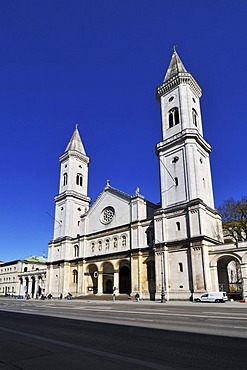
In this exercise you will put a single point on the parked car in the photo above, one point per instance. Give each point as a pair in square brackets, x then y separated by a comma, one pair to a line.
[217, 297]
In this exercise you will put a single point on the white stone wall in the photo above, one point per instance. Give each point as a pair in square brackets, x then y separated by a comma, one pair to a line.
[121, 213]
[185, 100]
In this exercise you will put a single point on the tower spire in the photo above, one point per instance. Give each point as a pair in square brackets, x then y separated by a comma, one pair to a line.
[176, 66]
[72, 200]
[75, 142]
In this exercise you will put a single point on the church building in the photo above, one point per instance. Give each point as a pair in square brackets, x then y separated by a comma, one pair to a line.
[127, 244]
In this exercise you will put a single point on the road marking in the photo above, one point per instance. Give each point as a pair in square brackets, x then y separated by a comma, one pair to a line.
[224, 326]
[97, 309]
[170, 314]
[226, 313]
[89, 350]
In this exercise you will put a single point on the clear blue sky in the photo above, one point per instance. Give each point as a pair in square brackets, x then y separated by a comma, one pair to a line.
[98, 63]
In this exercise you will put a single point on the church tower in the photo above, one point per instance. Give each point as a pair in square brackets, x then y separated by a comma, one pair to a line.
[183, 153]
[187, 223]
[72, 200]
[187, 201]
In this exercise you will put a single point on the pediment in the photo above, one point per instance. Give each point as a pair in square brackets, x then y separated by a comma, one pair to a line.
[111, 209]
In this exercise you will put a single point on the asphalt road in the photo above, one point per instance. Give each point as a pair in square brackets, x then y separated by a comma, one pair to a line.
[105, 335]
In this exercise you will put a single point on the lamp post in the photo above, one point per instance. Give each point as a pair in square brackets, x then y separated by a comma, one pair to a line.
[162, 295]
[162, 300]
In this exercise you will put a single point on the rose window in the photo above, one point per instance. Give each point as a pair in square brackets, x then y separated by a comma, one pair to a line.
[107, 215]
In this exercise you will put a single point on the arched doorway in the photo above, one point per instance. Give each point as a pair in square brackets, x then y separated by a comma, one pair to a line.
[230, 276]
[93, 283]
[108, 278]
[124, 278]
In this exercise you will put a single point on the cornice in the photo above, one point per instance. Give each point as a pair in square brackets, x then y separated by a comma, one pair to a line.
[75, 154]
[182, 136]
[73, 194]
[184, 207]
[104, 233]
[180, 78]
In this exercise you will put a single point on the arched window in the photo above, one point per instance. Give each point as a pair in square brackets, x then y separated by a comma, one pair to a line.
[79, 179]
[176, 181]
[75, 276]
[115, 242]
[194, 117]
[100, 245]
[25, 269]
[107, 244]
[180, 267]
[65, 179]
[76, 251]
[123, 241]
[173, 117]
[92, 247]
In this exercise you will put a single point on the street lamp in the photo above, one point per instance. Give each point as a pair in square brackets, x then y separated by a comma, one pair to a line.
[162, 295]
[162, 277]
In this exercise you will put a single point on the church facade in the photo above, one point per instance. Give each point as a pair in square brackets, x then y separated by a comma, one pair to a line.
[125, 243]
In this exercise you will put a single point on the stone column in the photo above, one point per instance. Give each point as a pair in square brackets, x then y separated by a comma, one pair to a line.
[116, 279]
[48, 279]
[244, 280]
[81, 279]
[161, 272]
[134, 274]
[206, 269]
[66, 278]
[100, 282]
[21, 288]
[214, 279]
[139, 271]
[157, 273]
[198, 278]
[36, 293]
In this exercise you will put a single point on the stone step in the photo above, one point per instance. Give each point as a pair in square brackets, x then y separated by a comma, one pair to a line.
[104, 297]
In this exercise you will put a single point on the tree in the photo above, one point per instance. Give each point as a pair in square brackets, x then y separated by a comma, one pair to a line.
[234, 217]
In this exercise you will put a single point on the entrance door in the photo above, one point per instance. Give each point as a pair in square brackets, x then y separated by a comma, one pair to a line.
[108, 278]
[124, 280]
[109, 286]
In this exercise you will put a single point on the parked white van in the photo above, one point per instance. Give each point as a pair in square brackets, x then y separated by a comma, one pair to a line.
[217, 297]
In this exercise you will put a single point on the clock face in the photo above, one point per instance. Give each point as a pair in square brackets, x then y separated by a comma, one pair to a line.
[107, 215]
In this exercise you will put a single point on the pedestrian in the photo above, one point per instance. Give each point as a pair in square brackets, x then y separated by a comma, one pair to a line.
[137, 297]
[114, 294]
